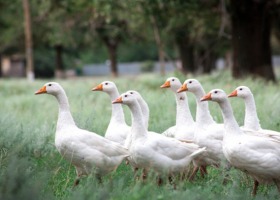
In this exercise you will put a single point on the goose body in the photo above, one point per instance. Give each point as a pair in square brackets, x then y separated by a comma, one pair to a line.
[155, 151]
[256, 154]
[87, 151]
[185, 125]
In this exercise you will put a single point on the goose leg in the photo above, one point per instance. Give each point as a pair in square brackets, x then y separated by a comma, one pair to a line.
[76, 182]
[255, 188]
[183, 175]
[159, 181]
[99, 178]
[226, 177]
[172, 182]
[195, 170]
[170, 179]
[135, 169]
[144, 174]
[203, 171]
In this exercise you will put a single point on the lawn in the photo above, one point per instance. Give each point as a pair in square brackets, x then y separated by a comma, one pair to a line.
[31, 168]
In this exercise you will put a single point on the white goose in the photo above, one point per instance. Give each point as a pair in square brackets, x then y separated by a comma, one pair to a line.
[167, 156]
[144, 107]
[251, 120]
[146, 115]
[258, 155]
[87, 151]
[185, 125]
[117, 129]
[207, 133]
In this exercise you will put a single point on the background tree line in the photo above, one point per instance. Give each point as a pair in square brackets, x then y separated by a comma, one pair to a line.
[67, 33]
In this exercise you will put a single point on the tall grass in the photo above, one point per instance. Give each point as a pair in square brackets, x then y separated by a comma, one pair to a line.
[31, 168]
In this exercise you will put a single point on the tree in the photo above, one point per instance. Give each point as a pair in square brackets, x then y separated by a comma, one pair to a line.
[28, 40]
[185, 23]
[12, 32]
[251, 38]
[57, 28]
[154, 12]
[111, 38]
[107, 20]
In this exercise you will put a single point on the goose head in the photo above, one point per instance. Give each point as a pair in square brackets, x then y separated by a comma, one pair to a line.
[105, 86]
[191, 85]
[241, 91]
[136, 94]
[216, 95]
[52, 88]
[126, 98]
[173, 83]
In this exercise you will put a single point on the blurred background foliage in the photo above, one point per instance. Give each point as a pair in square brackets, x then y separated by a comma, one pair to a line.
[67, 34]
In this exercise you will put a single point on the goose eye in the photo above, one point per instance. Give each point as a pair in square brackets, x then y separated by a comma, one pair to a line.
[131, 92]
[125, 95]
[50, 85]
[216, 92]
[241, 89]
[190, 82]
[173, 79]
[106, 83]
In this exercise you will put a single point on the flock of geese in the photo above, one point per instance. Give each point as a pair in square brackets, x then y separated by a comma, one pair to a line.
[202, 141]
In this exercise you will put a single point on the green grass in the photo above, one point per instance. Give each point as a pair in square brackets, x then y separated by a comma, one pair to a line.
[31, 168]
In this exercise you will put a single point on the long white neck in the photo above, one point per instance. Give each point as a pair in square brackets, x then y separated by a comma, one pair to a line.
[117, 110]
[183, 113]
[137, 126]
[230, 123]
[64, 115]
[145, 112]
[203, 115]
[251, 120]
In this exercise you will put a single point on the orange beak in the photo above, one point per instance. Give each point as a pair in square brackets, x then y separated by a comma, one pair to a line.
[98, 88]
[118, 100]
[42, 90]
[183, 88]
[233, 94]
[207, 97]
[166, 85]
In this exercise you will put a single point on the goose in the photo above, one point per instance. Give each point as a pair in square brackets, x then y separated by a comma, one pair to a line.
[146, 114]
[87, 151]
[258, 155]
[144, 110]
[208, 133]
[251, 120]
[185, 125]
[144, 107]
[117, 129]
[164, 155]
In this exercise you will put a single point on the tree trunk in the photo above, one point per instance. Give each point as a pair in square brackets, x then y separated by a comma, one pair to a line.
[208, 61]
[159, 43]
[186, 52]
[28, 41]
[59, 67]
[251, 39]
[112, 50]
[0, 65]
